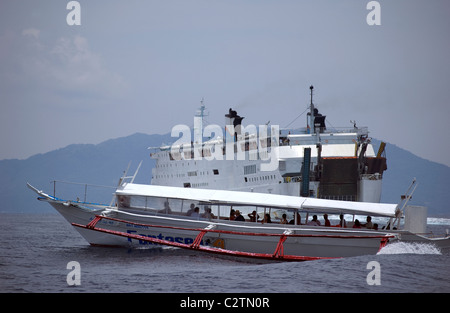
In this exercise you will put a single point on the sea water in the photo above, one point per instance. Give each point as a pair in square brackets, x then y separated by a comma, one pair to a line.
[36, 250]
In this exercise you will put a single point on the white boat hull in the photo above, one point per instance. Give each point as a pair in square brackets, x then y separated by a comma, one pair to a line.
[314, 242]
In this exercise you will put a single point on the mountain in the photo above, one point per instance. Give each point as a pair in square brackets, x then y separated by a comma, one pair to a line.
[101, 164]
[432, 180]
[104, 163]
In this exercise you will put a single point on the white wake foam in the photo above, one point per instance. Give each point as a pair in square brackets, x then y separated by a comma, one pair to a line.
[402, 247]
[438, 221]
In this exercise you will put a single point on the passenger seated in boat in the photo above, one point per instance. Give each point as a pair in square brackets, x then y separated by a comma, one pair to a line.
[375, 226]
[266, 219]
[314, 221]
[207, 214]
[239, 217]
[369, 224]
[166, 209]
[327, 221]
[196, 212]
[357, 224]
[292, 222]
[253, 216]
[191, 210]
[283, 219]
[232, 215]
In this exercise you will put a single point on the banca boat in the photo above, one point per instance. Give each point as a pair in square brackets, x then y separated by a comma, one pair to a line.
[160, 215]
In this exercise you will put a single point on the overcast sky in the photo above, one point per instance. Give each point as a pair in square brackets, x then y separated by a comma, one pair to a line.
[144, 66]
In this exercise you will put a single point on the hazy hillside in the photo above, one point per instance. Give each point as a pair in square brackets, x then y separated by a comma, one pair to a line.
[433, 180]
[101, 164]
[104, 163]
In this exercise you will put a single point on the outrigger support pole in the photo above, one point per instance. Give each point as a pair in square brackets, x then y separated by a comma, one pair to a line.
[405, 199]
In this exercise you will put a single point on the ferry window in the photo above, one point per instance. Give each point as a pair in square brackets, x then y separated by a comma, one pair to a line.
[250, 169]
[187, 185]
[216, 172]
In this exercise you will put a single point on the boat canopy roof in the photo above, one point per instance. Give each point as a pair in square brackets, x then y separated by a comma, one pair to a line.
[241, 198]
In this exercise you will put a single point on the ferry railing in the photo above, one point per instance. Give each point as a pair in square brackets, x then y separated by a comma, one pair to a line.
[303, 130]
[339, 197]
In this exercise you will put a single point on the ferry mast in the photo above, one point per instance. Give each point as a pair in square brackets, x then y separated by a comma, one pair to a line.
[198, 124]
[311, 112]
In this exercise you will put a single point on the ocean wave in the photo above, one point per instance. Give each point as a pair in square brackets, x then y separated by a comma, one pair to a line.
[438, 221]
[410, 248]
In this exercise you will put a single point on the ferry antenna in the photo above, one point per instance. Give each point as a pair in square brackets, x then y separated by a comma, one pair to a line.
[311, 112]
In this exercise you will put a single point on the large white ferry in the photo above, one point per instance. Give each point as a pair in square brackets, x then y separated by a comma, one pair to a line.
[314, 161]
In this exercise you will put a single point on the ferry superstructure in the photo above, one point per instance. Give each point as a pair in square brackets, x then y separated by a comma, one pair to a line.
[315, 161]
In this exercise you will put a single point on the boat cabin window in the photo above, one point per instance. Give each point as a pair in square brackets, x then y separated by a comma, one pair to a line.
[248, 213]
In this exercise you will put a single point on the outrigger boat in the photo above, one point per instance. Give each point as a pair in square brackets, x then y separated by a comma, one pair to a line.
[151, 216]
[148, 215]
